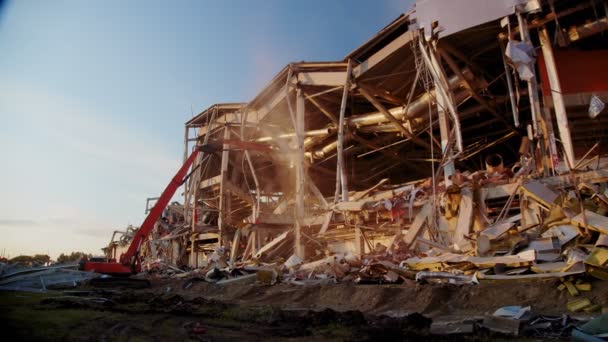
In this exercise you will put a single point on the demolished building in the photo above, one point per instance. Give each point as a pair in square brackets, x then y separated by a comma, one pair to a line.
[447, 142]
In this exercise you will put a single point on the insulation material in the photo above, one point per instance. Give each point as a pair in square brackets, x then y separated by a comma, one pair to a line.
[523, 56]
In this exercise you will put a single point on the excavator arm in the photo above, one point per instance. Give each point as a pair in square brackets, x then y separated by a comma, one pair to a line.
[129, 262]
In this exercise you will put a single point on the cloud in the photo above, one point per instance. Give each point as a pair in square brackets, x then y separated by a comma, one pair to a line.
[17, 223]
[72, 173]
[83, 128]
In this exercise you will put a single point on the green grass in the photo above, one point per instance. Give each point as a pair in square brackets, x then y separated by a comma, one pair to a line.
[29, 320]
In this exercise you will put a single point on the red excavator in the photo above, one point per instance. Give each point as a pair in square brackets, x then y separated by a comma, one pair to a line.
[130, 262]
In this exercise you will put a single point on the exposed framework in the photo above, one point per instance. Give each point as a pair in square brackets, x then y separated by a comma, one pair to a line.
[410, 104]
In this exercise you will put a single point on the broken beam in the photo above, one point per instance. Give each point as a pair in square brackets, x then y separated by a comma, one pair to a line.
[392, 119]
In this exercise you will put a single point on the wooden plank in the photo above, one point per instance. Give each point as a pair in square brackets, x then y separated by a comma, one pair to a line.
[540, 192]
[322, 78]
[465, 215]
[250, 248]
[300, 180]
[549, 267]
[323, 110]
[287, 219]
[495, 231]
[360, 194]
[315, 190]
[350, 206]
[419, 221]
[520, 277]
[499, 191]
[341, 176]
[269, 105]
[226, 118]
[235, 246]
[595, 221]
[392, 119]
[326, 222]
[358, 205]
[526, 258]
[209, 182]
[596, 176]
[238, 192]
[322, 263]
[564, 233]
[383, 53]
[224, 205]
[276, 241]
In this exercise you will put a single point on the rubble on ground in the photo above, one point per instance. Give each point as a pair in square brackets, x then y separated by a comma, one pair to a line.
[41, 279]
[442, 152]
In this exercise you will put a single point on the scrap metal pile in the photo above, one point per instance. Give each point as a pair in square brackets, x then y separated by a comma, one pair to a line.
[41, 279]
[547, 227]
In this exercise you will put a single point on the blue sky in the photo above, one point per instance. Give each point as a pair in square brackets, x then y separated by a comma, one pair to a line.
[93, 97]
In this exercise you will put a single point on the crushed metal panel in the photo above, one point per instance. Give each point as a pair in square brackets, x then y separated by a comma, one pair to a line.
[595, 221]
[564, 233]
[323, 78]
[455, 16]
[382, 54]
[540, 192]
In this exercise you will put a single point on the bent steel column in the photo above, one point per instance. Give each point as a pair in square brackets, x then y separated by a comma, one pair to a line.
[300, 173]
[341, 179]
[556, 94]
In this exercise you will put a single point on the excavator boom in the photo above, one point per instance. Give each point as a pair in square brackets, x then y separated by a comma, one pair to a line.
[129, 263]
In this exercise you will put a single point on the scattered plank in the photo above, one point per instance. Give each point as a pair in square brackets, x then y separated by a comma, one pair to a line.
[595, 221]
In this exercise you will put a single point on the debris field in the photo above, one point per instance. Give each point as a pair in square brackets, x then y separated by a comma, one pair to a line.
[447, 177]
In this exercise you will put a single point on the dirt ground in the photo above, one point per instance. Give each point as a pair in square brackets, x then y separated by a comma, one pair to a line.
[432, 300]
[199, 311]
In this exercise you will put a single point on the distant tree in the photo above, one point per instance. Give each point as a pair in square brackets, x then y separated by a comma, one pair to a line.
[22, 259]
[74, 256]
[42, 258]
[38, 259]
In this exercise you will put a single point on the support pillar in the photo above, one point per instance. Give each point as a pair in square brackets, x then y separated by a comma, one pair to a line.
[224, 197]
[341, 179]
[300, 173]
[444, 131]
[556, 94]
[537, 115]
[445, 105]
[532, 84]
[186, 137]
[359, 246]
[186, 189]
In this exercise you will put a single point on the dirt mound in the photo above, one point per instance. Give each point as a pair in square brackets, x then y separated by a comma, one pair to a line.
[433, 300]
